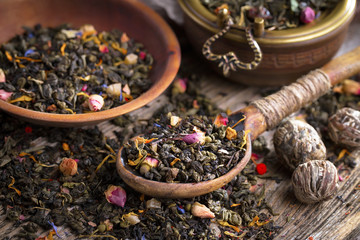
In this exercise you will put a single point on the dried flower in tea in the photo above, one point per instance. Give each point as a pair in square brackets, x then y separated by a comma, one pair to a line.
[130, 219]
[307, 15]
[68, 167]
[4, 95]
[116, 195]
[147, 164]
[344, 127]
[96, 102]
[297, 142]
[315, 181]
[201, 211]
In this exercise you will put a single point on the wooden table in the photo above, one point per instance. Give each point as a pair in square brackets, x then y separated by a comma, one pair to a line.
[336, 219]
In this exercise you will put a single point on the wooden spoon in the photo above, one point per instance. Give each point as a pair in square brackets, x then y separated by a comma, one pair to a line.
[260, 115]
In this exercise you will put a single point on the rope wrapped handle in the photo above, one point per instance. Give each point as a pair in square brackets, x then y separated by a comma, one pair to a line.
[308, 88]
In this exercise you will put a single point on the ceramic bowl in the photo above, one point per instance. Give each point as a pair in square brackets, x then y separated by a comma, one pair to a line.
[139, 22]
[287, 54]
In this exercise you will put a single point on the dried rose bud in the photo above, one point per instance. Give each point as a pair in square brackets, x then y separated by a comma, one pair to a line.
[4, 95]
[103, 48]
[221, 120]
[201, 211]
[344, 127]
[142, 55]
[2, 76]
[307, 15]
[116, 195]
[68, 167]
[315, 181]
[179, 85]
[194, 138]
[296, 142]
[147, 164]
[96, 102]
[114, 90]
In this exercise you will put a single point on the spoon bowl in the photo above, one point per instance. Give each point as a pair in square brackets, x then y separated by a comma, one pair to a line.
[132, 17]
[176, 190]
[261, 115]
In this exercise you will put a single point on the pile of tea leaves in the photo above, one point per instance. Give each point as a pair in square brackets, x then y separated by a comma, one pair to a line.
[67, 70]
[277, 15]
[43, 201]
[186, 150]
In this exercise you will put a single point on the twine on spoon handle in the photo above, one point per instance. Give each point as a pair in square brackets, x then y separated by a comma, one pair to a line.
[291, 98]
[305, 90]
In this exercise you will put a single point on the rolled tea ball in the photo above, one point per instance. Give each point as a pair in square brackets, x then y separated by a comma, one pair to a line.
[315, 181]
[344, 127]
[297, 142]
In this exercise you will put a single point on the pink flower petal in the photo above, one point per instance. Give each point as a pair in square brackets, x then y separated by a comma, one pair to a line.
[180, 85]
[116, 195]
[194, 138]
[142, 55]
[307, 15]
[103, 48]
[83, 89]
[221, 120]
[4, 95]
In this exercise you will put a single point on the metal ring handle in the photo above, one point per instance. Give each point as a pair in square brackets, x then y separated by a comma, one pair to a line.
[230, 60]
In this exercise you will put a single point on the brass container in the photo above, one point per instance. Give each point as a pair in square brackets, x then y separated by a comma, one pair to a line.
[287, 54]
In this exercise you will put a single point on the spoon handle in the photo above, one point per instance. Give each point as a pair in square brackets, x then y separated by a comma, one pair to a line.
[344, 66]
[266, 113]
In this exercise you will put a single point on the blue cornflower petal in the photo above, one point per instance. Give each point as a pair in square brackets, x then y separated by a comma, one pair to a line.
[181, 210]
[157, 125]
[30, 51]
[55, 228]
